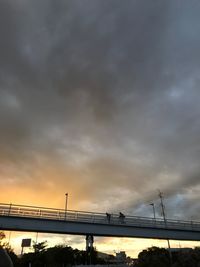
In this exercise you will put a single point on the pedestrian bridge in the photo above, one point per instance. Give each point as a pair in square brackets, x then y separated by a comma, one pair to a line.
[48, 220]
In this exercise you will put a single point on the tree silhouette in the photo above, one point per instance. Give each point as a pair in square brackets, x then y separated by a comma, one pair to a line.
[153, 257]
[39, 247]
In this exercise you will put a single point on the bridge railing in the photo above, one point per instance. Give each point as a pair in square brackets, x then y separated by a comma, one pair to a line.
[91, 217]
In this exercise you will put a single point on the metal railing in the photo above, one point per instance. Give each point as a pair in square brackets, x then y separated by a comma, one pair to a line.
[93, 217]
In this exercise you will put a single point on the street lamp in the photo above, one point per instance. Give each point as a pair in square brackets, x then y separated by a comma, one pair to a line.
[66, 200]
[154, 213]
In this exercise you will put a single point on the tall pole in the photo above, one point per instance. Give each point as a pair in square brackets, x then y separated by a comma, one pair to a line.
[165, 221]
[66, 200]
[154, 212]
[9, 237]
[36, 238]
[162, 207]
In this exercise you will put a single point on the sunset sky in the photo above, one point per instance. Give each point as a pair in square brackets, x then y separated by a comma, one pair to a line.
[101, 99]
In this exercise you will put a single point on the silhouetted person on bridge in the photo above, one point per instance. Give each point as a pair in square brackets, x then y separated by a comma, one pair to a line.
[5, 260]
[108, 215]
[121, 217]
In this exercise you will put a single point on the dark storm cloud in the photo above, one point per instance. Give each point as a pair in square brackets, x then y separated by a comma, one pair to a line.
[106, 90]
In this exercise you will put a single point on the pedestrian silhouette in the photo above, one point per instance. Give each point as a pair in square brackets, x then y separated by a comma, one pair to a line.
[108, 215]
[121, 217]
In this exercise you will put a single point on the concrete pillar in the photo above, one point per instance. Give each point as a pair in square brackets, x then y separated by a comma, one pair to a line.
[89, 242]
[89, 248]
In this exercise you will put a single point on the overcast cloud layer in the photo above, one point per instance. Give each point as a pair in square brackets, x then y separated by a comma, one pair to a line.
[101, 99]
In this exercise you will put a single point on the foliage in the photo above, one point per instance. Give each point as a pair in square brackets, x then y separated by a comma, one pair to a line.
[2, 236]
[187, 258]
[39, 247]
[159, 257]
[3, 244]
[13, 257]
[36, 258]
[153, 257]
[58, 256]
[64, 256]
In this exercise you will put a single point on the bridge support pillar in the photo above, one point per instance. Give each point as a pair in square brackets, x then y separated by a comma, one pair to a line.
[89, 248]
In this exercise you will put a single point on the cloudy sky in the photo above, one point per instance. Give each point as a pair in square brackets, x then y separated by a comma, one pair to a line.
[100, 99]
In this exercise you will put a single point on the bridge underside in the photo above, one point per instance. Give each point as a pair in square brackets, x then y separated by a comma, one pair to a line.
[82, 228]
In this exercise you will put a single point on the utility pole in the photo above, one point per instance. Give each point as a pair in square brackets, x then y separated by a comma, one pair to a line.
[165, 221]
[36, 238]
[162, 206]
[66, 202]
[9, 237]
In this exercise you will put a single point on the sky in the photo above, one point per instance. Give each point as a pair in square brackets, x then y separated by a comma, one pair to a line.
[100, 99]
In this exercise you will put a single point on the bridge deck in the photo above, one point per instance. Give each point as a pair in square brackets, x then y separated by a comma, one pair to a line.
[21, 211]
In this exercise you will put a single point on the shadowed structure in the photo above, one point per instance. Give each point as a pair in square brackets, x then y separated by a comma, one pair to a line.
[5, 260]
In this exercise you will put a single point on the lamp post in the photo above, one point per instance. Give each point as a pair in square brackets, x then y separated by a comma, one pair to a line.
[154, 213]
[66, 202]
